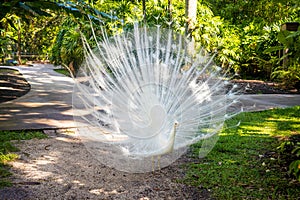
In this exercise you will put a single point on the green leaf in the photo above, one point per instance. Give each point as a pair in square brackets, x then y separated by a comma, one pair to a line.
[294, 34]
[27, 8]
[296, 151]
[11, 23]
[294, 168]
[273, 49]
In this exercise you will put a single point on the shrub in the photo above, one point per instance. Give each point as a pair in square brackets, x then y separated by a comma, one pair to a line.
[290, 155]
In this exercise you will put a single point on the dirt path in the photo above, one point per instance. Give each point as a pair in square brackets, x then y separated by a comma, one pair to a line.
[61, 168]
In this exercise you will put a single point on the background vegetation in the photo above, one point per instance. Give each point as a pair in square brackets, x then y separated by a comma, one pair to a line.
[245, 34]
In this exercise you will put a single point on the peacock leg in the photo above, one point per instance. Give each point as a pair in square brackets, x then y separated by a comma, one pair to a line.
[152, 160]
[158, 162]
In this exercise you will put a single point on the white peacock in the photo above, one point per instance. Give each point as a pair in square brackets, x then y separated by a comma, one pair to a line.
[142, 97]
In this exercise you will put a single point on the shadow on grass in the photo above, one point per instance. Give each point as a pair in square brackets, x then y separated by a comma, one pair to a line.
[244, 163]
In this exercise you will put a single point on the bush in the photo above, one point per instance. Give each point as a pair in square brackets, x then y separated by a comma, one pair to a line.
[290, 155]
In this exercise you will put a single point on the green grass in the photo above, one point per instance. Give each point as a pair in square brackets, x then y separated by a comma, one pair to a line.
[8, 71]
[63, 71]
[244, 164]
[7, 150]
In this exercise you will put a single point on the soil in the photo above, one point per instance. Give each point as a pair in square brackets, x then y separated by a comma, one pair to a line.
[12, 84]
[261, 87]
[60, 167]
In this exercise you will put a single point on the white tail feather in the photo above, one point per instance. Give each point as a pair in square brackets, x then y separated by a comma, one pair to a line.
[136, 85]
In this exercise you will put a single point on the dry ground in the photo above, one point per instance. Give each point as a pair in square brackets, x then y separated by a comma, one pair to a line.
[60, 167]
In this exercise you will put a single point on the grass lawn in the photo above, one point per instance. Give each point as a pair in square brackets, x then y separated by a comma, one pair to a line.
[7, 150]
[63, 71]
[245, 164]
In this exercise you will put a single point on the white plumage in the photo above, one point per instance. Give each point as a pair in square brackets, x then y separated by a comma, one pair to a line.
[143, 94]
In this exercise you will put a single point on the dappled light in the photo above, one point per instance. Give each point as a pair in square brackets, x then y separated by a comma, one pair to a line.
[62, 165]
[245, 161]
[269, 123]
[47, 105]
[143, 118]
[12, 84]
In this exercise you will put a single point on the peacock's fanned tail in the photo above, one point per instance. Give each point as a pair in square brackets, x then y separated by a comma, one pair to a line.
[135, 85]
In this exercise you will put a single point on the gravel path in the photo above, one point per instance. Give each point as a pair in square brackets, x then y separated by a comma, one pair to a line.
[61, 168]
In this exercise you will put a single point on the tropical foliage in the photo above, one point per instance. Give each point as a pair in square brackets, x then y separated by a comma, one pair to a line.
[256, 25]
[290, 155]
[246, 35]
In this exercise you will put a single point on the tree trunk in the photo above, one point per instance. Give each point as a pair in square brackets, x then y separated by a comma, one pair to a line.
[144, 10]
[72, 68]
[170, 10]
[19, 43]
[191, 15]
